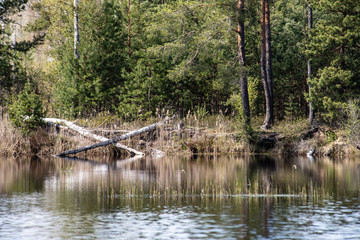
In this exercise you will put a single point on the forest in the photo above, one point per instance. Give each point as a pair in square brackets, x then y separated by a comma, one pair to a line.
[272, 59]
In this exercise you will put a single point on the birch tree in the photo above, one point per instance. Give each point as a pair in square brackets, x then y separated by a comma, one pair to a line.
[76, 29]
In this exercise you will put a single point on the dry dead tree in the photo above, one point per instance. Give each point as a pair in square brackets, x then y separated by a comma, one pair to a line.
[88, 134]
[107, 141]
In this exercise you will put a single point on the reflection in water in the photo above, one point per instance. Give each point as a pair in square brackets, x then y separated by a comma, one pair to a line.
[203, 197]
[26, 175]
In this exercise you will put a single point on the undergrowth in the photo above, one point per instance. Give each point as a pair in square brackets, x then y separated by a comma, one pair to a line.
[196, 133]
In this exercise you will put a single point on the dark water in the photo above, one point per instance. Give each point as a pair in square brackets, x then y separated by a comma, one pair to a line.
[259, 197]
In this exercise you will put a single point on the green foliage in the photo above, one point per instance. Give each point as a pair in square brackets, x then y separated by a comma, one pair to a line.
[289, 19]
[330, 136]
[26, 112]
[333, 47]
[43, 21]
[352, 121]
[194, 45]
[137, 57]
[245, 130]
[90, 84]
[201, 112]
[133, 103]
[255, 98]
[12, 74]
[332, 80]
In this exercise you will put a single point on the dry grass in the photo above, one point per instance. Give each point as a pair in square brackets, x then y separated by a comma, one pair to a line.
[209, 134]
[12, 142]
[199, 134]
[67, 139]
[43, 142]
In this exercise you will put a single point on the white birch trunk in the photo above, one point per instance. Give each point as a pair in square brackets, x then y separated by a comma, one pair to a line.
[115, 140]
[88, 134]
[76, 29]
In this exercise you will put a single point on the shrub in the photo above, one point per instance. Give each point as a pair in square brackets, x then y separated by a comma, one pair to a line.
[26, 112]
[352, 121]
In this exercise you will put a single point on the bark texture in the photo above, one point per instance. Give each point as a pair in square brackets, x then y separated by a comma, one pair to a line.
[76, 29]
[241, 50]
[89, 134]
[309, 70]
[114, 140]
[266, 65]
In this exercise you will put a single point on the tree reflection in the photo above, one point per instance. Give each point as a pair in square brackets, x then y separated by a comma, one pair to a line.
[173, 176]
[253, 186]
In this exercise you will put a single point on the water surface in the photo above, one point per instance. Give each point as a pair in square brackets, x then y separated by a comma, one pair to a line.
[258, 197]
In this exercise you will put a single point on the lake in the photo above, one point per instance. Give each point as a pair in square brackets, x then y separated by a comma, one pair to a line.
[204, 197]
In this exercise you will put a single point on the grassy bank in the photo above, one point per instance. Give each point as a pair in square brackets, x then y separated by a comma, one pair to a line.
[42, 141]
[193, 134]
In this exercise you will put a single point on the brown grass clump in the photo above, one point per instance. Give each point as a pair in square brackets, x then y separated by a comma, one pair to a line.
[41, 142]
[202, 134]
[12, 142]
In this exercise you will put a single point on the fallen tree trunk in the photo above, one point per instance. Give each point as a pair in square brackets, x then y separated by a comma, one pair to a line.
[309, 134]
[115, 140]
[110, 131]
[88, 134]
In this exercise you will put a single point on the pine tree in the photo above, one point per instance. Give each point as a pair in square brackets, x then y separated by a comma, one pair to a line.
[12, 75]
[266, 64]
[335, 52]
[242, 62]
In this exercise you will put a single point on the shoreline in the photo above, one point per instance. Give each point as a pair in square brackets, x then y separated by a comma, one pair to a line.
[212, 135]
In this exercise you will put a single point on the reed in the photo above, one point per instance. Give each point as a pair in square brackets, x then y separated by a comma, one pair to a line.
[43, 142]
[203, 134]
[196, 133]
[12, 141]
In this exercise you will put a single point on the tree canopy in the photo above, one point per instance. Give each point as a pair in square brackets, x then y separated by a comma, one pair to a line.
[137, 57]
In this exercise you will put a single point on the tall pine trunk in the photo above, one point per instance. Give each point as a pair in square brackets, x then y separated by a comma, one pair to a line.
[243, 77]
[309, 70]
[266, 66]
[269, 75]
